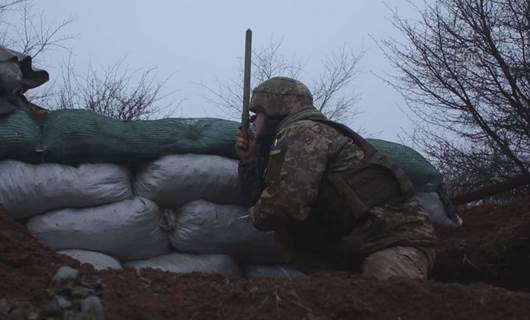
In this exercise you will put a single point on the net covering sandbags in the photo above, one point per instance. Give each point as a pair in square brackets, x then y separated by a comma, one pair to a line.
[80, 136]
[76, 136]
[19, 137]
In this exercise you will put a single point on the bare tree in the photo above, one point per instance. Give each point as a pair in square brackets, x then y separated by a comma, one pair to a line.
[116, 92]
[28, 33]
[464, 71]
[339, 70]
[266, 63]
[6, 5]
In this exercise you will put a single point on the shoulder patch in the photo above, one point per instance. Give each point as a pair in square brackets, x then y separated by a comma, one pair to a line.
[275, 149]
[276, 158]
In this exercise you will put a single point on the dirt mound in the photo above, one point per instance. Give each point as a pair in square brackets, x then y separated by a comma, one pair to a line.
[325, 296]
[24, 263]
[492, 246]
[489, 233]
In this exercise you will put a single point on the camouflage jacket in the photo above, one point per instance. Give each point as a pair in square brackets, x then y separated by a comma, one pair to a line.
[287, 196]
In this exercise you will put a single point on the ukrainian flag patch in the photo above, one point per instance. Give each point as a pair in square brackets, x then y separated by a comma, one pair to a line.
[275, 149]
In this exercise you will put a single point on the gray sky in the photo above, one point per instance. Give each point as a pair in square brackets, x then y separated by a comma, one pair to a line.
[202, 41]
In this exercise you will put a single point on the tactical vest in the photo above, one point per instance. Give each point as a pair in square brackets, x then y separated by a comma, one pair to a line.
[345, 197]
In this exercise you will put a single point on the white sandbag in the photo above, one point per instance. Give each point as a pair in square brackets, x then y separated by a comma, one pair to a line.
[184, 263]
[127, 230]
[98, 260]
[436, 209]
[272, 271]
[27, 190]
[204, 227]
[176, 179]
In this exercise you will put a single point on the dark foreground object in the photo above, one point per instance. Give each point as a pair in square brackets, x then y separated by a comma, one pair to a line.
[492, 246]
[26, 266]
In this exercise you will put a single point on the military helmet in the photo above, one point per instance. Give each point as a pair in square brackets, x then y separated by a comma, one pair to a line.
[280, 96]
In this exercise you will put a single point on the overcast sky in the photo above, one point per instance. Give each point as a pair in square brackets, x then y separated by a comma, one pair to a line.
[202, 42]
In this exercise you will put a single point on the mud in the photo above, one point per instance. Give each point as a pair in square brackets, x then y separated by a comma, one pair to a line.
[480, 273]
[493, 246]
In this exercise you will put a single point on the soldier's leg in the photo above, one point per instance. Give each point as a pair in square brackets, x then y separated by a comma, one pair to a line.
[399, 262]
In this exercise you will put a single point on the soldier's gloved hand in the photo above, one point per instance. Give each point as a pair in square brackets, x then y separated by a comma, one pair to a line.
[245, 145]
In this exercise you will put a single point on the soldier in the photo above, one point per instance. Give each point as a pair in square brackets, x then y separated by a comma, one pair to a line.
[332, 200]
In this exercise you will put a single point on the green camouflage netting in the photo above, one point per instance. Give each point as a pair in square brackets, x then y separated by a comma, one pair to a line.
[19, 137]
[77, 136]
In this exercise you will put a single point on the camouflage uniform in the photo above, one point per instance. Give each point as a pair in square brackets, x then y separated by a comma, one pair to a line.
[292, 196]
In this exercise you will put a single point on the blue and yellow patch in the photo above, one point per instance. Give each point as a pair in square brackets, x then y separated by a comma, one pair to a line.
[274, 166]
[275, 149]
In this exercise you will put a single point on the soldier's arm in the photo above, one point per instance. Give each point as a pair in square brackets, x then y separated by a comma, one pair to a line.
[296, 164]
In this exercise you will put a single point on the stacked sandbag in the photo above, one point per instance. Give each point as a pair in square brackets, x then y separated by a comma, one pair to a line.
[27, 190]
[184, 263]
[90, 213]
[205, 215]
[98, 260]
[204, 227]
[174, 180]
[127, 230]
[438, 211]
[182, 175]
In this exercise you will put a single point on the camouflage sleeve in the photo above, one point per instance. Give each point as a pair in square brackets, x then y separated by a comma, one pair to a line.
[249, 180]
[296, 164]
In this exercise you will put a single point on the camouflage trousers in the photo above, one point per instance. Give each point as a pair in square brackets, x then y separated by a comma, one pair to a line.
[399, 261]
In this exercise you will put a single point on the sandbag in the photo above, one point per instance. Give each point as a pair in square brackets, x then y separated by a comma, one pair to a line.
[79, 136]
[27, 190]
[19, 137]
[177, 179]
[185, 263]
[270, 271]
[438, 212]
[126, 230]
[98, 260]
[204, 227]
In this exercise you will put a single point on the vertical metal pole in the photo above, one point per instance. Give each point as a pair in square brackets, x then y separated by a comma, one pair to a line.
[246, 82]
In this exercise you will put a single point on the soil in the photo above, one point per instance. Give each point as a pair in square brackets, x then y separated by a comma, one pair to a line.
[493, 246]
[480, 273]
